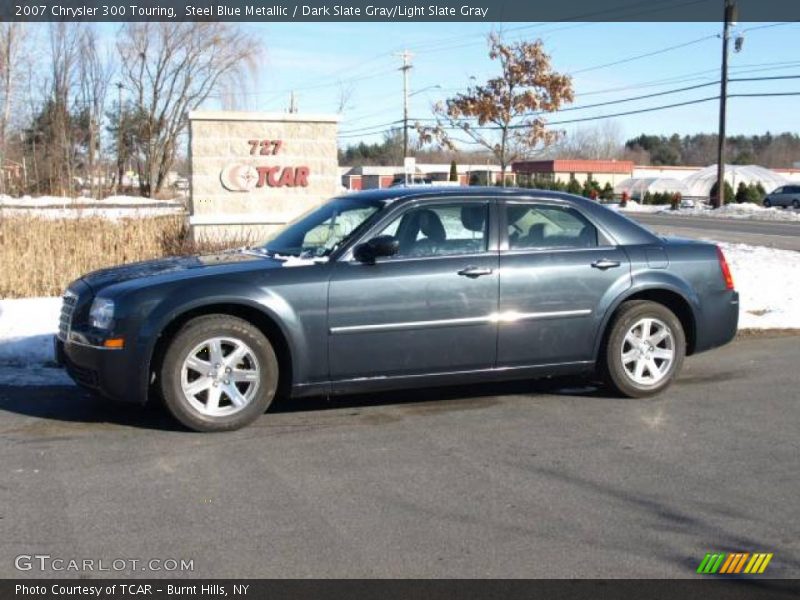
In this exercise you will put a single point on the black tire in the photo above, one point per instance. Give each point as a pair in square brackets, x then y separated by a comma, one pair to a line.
[611, 362]
[194, 333]
[795, 203]
[767, 203]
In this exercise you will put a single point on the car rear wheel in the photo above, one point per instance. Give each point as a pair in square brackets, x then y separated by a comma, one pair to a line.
[795, 203]
[644, 350]
[219, 373]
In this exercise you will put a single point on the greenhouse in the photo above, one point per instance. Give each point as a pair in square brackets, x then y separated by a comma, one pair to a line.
[699, 184]
[637, 187]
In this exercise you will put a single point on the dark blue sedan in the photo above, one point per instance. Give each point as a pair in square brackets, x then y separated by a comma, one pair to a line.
[401, 288]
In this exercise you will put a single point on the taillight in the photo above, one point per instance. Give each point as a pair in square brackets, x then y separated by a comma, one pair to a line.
[726, 270]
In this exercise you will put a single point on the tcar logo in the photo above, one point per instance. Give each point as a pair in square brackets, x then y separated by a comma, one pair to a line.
[239, 178]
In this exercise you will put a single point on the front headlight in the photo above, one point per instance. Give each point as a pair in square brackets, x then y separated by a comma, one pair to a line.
[102, 313]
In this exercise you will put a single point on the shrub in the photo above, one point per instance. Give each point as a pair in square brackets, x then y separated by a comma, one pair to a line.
[573, 187]
[741, 193]
[39, 257]
[453, 171]
[727, 191]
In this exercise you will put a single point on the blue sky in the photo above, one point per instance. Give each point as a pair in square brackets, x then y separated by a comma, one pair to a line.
[318, 60]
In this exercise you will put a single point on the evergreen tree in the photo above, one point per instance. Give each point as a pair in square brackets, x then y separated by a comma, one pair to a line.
[573, 187]
[741, 193]
[453, 171]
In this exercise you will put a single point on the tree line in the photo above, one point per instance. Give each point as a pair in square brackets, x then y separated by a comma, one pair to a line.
[604, 142]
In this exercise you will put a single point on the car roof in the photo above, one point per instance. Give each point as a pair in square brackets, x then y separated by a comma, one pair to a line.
[409, 192]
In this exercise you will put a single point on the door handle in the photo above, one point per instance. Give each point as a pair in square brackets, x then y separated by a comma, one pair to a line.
[473, 272]
[604, 264]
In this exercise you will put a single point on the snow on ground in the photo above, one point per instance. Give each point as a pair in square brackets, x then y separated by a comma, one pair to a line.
[113, 207]
[633, 206]
[768, 281]
[27, 326]
[59, 201]
[112, 214]
[729, 211]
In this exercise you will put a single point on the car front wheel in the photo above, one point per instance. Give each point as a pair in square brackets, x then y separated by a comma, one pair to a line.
[644, 350]
[767, 203]
[219, 373]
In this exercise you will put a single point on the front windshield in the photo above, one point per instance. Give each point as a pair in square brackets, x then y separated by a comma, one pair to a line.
[321, 231]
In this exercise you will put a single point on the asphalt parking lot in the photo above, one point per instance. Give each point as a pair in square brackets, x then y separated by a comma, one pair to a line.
[548, 479]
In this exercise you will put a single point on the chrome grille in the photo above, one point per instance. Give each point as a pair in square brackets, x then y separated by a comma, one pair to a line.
[67, 310]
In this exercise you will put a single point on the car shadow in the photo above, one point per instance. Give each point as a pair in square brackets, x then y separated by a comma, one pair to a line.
[75, 405]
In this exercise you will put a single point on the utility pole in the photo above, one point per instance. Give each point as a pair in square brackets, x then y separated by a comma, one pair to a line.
[729, 17]
[292, 103]
[120, 166]
[406, 56]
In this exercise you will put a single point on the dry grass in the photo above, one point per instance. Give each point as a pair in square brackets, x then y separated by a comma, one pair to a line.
[39, 257]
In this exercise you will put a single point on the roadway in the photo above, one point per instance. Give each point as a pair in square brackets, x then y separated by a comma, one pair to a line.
[775, 234]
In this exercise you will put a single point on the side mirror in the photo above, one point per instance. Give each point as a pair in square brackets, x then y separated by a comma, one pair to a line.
[383, 245]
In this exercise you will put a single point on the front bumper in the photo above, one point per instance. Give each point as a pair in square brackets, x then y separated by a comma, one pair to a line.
[114, 373]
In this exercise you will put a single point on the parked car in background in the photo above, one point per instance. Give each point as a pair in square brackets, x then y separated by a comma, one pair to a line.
[401, 287]
[785, 196]
[401, 181]
[687, 203]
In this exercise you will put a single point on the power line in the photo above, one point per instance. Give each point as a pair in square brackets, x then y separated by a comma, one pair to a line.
[378, 128]
[669, 92]
[781, 24]
[645, 55]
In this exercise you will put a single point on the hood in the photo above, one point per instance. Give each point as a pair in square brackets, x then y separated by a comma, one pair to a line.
[98, 280]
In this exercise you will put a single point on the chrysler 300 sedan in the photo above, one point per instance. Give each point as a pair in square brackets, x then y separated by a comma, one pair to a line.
[401, 288]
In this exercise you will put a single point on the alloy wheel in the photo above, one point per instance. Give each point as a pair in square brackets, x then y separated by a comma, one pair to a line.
[648, 351]
[220, 376]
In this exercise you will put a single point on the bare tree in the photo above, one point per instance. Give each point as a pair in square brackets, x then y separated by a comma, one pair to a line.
[64, 53]
[170, 69]
[505, 115]
[10, 46]
[95, 74]
[602, 141]
[345, 97]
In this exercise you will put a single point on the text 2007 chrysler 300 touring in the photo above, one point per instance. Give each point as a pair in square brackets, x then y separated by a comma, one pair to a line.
[401, 287]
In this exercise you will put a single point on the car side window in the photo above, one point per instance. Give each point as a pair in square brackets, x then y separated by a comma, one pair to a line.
[778, 191]
[543, 226]
[441, 229]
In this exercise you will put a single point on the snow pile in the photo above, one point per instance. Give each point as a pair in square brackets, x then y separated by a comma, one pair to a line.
[113, 207]
[61, 202]
[27, 326]
[746, 210]
[634, 206]
[768, 281]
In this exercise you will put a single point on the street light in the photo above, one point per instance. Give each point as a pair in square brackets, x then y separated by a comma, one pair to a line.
[425, 89]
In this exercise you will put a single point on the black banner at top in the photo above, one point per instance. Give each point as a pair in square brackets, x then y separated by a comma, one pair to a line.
[396, 10]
